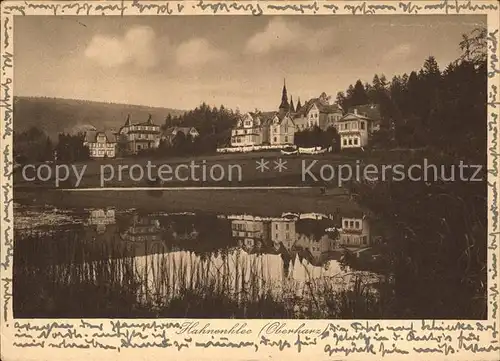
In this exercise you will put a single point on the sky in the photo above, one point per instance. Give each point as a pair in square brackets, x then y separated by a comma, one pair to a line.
[238, 61]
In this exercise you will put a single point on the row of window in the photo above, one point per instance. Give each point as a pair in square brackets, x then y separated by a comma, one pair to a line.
[142, 136]
[352, 125]
[101, 153]
[144, 127]
[351, 141]
[146, 146]
[352, 224]
[354, 240]
[276, 129]
[334, 117]
[102, 145]
[245, 139]
[242, 131]
[287, 236]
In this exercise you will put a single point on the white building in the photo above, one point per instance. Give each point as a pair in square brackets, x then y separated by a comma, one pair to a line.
[355, 232]
[356, 126]
[100, 144]
[251, 129]
[140, 136]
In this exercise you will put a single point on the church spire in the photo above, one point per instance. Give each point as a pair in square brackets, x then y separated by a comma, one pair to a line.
[298, 106]
[292, 108]
[284, 106]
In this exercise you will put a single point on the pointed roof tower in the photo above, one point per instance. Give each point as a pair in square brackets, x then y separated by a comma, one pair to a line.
[284, 106]
[298, 106]
[292, 108]
[127, 122]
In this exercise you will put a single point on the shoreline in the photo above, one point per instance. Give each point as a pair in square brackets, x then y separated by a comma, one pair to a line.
[264, 202]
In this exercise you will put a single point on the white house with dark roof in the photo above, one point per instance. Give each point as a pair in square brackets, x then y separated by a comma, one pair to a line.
[281, 129]
[355, 127]
[251, 129]
[355, 232]
[101, 144]
[141, 135]
[317, 112]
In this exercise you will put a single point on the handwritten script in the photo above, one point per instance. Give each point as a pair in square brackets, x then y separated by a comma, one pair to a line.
[357, 338]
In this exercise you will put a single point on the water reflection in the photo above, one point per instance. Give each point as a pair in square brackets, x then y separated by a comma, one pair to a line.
[198, 265]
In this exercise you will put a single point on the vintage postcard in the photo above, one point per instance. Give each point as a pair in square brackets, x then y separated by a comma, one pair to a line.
[249, 180]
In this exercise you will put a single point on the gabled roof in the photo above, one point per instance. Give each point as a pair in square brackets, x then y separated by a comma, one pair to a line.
[371, 111]
[264, 117]
[149, 122]
[91, 136]
[282, 116]
[322, 107]
[352, 116]
[174, 130]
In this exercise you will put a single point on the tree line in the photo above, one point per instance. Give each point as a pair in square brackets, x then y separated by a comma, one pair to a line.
[34, 145]
[442, 109]
[430, 107]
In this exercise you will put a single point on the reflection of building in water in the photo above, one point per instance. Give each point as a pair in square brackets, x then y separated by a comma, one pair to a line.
[315, 237]
[355, 232]
[317, 251]
[251, 233]
[186, 235]
[283, 232]
[101, 218]
[143, 229]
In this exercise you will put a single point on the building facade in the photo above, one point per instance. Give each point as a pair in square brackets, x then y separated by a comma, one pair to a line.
[355, 232]
[100, 144]
[140, 136]
[251, 129]
[282, 129]
[355, 128]
[317, 112]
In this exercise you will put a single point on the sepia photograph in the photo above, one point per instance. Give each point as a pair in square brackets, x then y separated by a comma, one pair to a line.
[239, 167]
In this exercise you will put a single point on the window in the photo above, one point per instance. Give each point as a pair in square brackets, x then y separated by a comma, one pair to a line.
[276, 226]
[362, 125]
[286, 139]
[287, 226]
[358, 225]
[350, 141]
[351, 224]
[275, 139]
[355, 141]
[345, 141]
[346, 224]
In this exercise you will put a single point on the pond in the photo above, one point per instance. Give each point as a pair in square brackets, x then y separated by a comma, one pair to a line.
[419, 254]
[107, 262]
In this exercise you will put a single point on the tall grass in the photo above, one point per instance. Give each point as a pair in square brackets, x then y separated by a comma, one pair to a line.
[86, 280]
[437, 245]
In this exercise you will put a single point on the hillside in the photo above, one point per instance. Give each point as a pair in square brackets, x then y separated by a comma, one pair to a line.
[55, 115]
